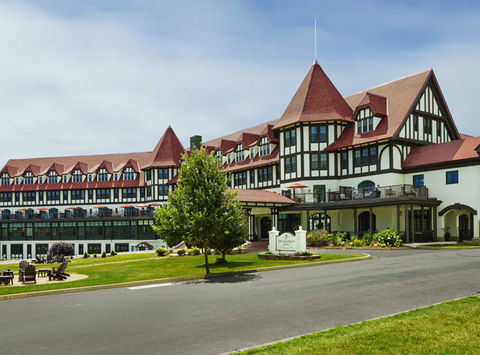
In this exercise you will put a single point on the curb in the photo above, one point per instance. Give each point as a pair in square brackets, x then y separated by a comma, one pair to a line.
[177, 279]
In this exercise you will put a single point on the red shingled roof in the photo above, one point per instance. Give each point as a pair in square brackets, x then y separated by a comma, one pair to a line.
[377, 103]
[272, 158]
[317, 99]
[438, 153]
[265, 196]
[401, 96]
[168, 150]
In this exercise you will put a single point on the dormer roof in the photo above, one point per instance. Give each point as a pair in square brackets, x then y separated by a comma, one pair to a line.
[376, 103]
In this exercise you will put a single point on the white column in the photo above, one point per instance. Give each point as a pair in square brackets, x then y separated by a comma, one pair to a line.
[272, 236]
[301, 240]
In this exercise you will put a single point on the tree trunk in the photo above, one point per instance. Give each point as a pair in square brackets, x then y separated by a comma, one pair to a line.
[223, 255]
[207, 268]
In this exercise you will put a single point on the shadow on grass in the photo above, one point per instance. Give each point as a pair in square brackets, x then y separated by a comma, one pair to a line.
[239, 276]
[228, 265]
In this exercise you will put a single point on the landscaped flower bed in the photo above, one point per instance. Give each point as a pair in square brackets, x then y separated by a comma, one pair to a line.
[388, 238]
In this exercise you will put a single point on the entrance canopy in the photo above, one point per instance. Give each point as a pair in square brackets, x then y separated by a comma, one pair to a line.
[262, 198]
[458, 206]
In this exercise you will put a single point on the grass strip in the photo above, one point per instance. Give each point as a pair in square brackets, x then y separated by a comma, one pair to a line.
[452, 327]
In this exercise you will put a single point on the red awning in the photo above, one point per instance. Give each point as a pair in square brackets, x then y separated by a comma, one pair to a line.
[142, 206]
[126, 206]
[154, 204]
[24, 209]
[43, 208]
[101, 207]
[72, 208]
[296, 186]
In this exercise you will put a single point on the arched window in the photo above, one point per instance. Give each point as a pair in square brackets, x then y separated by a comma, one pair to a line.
[366, 186]
[317, 221]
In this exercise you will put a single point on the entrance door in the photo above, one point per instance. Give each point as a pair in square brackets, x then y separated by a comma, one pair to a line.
[265, 226]
[463, 228]
[364, 223]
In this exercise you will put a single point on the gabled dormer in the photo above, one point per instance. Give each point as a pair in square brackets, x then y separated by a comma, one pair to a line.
[370, 111]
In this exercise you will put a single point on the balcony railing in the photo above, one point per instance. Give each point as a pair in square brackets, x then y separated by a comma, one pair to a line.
[348, 193]
[82, 215]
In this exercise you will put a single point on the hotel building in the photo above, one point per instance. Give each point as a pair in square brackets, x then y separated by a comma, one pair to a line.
[387, 157]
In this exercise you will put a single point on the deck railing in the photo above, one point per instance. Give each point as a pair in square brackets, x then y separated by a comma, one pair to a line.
[346, 193]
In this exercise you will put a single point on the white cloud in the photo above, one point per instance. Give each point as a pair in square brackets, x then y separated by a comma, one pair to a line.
[98, 80]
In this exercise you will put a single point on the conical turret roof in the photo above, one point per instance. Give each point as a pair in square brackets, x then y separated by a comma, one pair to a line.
[168, 150]
[317, 99]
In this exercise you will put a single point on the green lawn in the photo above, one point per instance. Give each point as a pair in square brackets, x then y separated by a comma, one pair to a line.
[449, 328]
[137, 267]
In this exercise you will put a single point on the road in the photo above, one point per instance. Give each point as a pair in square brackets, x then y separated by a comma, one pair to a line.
[230, 313]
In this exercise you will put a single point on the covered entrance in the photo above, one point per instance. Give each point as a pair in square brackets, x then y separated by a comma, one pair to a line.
[457, 221]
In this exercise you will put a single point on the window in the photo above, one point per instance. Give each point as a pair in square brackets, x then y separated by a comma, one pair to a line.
[90, 177]
[319, 193]
[239, 152]
[427, 125]
[115, 176]
[290, 137]
[53, 195]
[218, 156]
[344, 160]
[319, 161]
[28, 179]
[102, 175]
[162, 173]
[142, 192]
[240, 178]
[163, 190]
[77, 176]
[265, 174]
[291, 164]
[5, 197]
[65, 195]
[364, 121]
[252, 177]
[65, 178]
[128, 174]
[129, 193]
[78, 195]
[365, 156]
[415, 123]
[264, 146]
[29, 196]
[439, 129]
[148, 175]
[115, 193]
[418, 180]
[366, 186]
[103, 193]
[318, 133]
[452, 177]
[52, 177]
[5, 179]
[90, 195]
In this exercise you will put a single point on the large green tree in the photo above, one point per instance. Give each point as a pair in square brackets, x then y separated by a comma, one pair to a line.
[201, 211]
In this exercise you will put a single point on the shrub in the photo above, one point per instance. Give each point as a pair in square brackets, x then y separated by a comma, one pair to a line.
[268, 252]
[104, 255]
[344, 237]
[387, 237]
[334, 240]
[318, 238]
[180, 252]
[194, 251]
[86, 255]
[305, 253]
[94, 255]
[61, 248]
[161, 251]
[113, 253]
[357, 243]
[367, 239]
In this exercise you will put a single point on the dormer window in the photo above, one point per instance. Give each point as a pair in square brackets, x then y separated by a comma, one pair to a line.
[264, 146]
[65, 178]
[218, 156]
[128, 174]
[239, 152]
[17, 180]
[77, 176]
[5, 179]
[28, 179]
[364, 121]
[102, 175]
[115, 176]
[52, 177]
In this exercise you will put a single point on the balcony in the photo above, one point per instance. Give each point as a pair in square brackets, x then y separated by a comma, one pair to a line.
[350, 194]
[78, 214]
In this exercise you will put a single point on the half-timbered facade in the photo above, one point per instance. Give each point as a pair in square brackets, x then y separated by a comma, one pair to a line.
[386, 157]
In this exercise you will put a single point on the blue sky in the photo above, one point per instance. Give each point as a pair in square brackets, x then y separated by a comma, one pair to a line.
[85, 77]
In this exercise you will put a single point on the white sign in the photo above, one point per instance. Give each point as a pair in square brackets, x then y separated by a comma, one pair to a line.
[286, 242]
